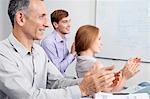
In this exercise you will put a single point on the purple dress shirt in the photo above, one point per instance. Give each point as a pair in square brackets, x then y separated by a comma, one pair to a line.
[57, 51]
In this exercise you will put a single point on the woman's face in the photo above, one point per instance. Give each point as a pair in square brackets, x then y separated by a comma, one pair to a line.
[97, 44]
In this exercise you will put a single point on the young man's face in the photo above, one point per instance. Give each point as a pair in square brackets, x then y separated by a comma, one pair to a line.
[36, 21]
[63, 26]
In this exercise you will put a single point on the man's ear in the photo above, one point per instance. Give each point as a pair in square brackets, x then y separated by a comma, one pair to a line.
[20, 18]
[55, 24]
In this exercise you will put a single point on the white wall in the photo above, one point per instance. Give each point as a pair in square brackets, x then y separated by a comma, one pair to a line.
[5, 25]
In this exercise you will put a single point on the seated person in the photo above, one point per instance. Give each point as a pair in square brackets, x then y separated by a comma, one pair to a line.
[55, 43]
[87, 43]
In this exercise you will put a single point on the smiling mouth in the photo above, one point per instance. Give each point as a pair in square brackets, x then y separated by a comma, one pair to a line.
[67, 28]
[42, 30]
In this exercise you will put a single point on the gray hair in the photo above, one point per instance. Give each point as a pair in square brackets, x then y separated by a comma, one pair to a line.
[16, 5]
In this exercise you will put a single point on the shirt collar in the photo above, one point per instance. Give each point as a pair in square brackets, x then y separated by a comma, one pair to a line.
[18, 46]
[59, 38]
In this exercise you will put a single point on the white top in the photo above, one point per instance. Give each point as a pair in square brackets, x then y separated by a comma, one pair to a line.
[84, 63]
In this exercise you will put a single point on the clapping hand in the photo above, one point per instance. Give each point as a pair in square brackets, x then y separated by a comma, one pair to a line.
[131, 67]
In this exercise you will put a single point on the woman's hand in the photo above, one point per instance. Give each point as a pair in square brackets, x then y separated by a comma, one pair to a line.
[131, 68]
[97, 79]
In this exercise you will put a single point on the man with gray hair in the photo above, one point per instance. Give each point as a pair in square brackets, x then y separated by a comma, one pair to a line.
[26, 72]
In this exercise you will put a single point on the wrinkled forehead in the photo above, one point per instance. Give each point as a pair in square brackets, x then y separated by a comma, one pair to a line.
[37, 6]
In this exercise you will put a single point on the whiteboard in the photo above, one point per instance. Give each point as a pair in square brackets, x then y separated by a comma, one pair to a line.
[125, 26]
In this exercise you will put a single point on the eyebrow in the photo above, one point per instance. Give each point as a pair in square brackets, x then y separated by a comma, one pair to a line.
[66, 20]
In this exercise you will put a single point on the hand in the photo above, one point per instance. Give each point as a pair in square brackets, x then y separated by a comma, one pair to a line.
[119, 82]
[97, 80]
[105, 79]
[131, 68]
[118, 78]
[73, 51]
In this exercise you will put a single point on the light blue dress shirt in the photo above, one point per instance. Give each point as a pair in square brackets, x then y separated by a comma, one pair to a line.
[25, 75]
[57, 51]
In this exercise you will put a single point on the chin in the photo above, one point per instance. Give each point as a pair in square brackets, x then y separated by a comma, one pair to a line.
[98, 51]
[39, 38]
[66, 33]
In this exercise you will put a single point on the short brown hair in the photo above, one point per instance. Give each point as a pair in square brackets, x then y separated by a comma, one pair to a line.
[58, 15]
[85, 36]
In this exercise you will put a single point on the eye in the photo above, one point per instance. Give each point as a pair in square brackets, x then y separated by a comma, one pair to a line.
[42, 16]
[65, 21]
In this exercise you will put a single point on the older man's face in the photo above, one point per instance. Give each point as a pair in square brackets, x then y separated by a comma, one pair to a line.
[36, 21]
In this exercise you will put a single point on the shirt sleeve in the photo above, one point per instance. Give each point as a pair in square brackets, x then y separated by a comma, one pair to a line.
[57, 80]
[16, 86]
[51, 51]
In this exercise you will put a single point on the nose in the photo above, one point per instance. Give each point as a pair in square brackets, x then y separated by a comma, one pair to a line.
[101, 44]
[46, 24]
[69, 23]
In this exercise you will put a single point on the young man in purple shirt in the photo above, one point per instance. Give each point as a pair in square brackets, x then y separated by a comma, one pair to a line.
[55, 43]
